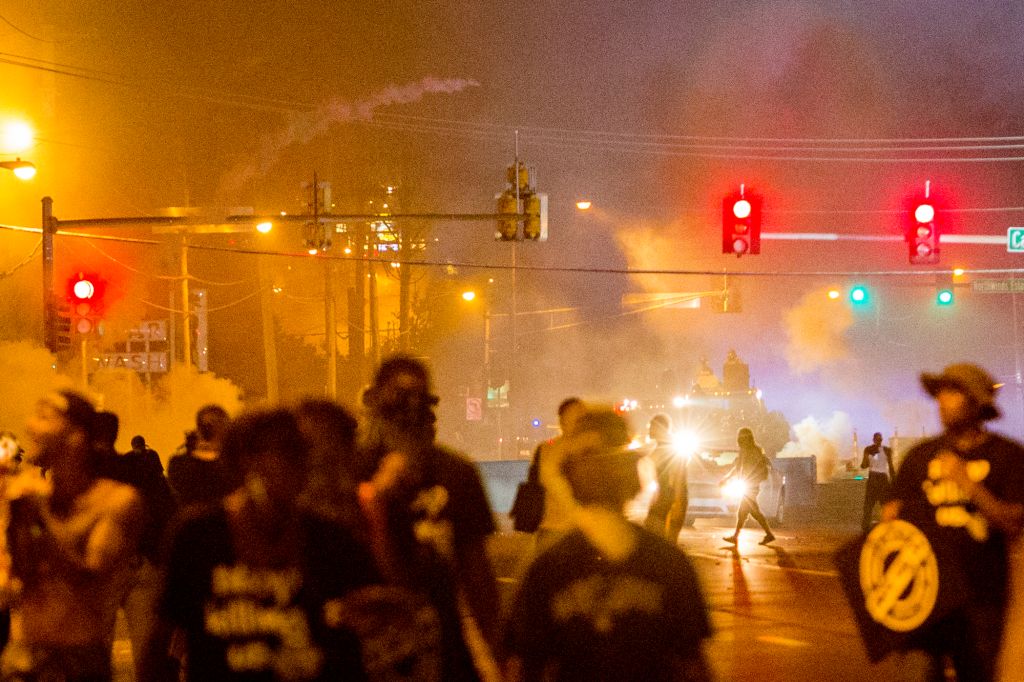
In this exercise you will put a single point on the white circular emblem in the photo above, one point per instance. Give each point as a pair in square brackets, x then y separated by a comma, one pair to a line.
[898, 575]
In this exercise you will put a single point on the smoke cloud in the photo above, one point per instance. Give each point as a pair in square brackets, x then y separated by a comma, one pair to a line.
[162, 415]
[815, 332]
[829, 442]
[305, 127]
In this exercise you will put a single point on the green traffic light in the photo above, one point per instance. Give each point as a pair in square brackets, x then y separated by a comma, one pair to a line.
[944, 297]
[859, 295]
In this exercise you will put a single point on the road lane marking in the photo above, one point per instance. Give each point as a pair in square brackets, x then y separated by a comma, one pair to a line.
[759, 564]
[783, 641]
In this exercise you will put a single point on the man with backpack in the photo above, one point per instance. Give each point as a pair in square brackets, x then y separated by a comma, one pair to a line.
[752, 467]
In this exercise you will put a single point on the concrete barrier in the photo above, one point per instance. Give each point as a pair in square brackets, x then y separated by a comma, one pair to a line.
[501, 478]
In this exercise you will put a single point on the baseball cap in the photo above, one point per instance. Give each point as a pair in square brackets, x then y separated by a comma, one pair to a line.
[975, 382]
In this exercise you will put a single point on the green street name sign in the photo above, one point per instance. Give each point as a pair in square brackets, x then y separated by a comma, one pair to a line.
[998, 286]
[1015, 240]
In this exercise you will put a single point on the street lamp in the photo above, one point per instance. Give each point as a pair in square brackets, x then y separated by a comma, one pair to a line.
[24, 170]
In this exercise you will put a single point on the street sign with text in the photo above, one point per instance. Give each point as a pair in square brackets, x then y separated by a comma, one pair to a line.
[1015, 240]
[998, 286]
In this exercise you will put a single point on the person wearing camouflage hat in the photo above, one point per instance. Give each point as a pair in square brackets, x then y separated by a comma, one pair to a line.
[964, 491]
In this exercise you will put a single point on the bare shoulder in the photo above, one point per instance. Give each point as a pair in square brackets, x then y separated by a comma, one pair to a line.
[113, 497]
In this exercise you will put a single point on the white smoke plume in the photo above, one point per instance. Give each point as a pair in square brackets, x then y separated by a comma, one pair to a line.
[829, 442]
[162, 415]
[304, 127]
[815, 331]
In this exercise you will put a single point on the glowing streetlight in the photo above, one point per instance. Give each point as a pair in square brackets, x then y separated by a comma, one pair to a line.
[264, 227]
[17, 137]
[583, 205]
[468, 295]
[23, 170]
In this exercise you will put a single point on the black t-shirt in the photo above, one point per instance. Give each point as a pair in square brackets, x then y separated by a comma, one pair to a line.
[144, 472]
[466, 508]
[971, 555]
[196, 481]
[579, 616]
[243, 622]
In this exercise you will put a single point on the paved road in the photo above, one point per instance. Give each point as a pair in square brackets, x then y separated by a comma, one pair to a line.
[778, 611]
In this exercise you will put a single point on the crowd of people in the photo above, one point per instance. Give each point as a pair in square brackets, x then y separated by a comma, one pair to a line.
[306, 542]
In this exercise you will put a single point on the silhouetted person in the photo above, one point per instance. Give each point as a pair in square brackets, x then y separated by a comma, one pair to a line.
[668, 509]
[751, 469]
[198, 475]
[556, 520]
[336, 466]
[610, 600]
[881, 472]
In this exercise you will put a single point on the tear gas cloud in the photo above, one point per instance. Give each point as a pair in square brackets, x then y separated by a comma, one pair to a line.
[830, 442]
[815, 332]
[162, 416]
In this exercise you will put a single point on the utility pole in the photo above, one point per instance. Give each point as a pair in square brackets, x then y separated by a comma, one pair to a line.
[186, 322]
[269, 341]
[356, 307]
[49, 332]
[404, 292]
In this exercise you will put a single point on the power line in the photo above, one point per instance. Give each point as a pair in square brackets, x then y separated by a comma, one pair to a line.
[669, 136]
[470, 265]
[663, 146]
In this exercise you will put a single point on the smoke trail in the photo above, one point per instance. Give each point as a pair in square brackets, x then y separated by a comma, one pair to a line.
[304, 127]
[829, 442]
[815, 331]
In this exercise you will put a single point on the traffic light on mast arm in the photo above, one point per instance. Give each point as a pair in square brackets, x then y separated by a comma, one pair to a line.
[741, 223]
[922, 231]
[86, 296]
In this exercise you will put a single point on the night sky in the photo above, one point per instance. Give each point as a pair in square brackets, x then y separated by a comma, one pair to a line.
[652, 110]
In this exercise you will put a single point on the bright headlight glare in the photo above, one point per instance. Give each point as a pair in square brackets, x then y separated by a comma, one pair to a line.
[734, 489]
[685, 442]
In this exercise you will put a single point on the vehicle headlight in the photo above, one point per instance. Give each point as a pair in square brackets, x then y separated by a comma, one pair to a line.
[734, 489]
[685, 443]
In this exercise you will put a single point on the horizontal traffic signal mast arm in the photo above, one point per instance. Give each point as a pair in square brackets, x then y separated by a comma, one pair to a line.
[338, 217]
[838, 236]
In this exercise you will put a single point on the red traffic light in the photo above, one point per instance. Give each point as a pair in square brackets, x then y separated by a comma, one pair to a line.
[922, 232]
[85, 293]
[741, 224]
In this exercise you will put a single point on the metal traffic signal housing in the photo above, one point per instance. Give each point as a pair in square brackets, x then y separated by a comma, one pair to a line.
[741, 223]
[508, 225]
[62, 328]
[921, 228]
[85, 294]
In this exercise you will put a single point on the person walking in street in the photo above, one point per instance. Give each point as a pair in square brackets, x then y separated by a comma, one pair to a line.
[422, 493]
[558, 502]
[610, 600]
[256, 581]
[668, 509]
[752, 468]
[881, 472]
[70, 542]
[964, 491]
[198, 474]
